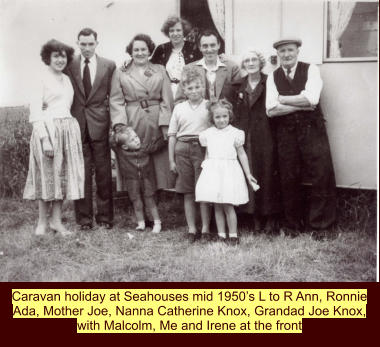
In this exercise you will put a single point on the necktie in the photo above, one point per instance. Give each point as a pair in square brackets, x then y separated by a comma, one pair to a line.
[288, 71]
[86, 78]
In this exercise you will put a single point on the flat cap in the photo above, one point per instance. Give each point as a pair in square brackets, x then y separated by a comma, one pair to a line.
[287, 40]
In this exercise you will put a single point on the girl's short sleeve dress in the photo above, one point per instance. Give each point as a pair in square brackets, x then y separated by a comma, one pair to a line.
[222, 179]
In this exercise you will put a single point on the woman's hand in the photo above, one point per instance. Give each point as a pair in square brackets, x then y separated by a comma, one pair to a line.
[164, 130]
[47, 147]
[253, 182]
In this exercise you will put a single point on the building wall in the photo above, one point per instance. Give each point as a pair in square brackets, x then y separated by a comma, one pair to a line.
[25, 25]
[349, 102]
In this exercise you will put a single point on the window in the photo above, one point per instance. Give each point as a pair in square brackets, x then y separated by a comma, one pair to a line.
[351, 30]
[205, 14]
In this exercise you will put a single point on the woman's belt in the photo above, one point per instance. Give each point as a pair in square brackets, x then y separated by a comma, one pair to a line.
[144, 103]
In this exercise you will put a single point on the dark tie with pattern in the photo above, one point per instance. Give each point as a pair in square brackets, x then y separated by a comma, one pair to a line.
[86, 78]
[288, 72]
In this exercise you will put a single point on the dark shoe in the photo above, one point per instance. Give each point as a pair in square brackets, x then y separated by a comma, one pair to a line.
[105, 225]
[222, 239]
[193, 237]
[87, 226]
[208, 237]
[233, 241]
[323, 235]
[292, 233]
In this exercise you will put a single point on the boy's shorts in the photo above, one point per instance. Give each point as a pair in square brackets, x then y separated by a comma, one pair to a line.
[138, 188]
[189, 156]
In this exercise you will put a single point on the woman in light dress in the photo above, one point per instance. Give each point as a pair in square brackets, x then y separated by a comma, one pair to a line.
[56, 169]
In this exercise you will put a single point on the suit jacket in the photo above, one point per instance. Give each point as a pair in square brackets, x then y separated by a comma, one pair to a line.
[92, 112]
[227, 81]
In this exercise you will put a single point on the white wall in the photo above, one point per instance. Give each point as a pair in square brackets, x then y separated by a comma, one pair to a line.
[349, 102]
[27, 24]
[259, 23]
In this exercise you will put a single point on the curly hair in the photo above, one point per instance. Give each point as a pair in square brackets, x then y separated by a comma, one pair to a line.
[261, 57]
[172, 21]
[56, 46]
[141, 37]
[191, 73]
[222, 103]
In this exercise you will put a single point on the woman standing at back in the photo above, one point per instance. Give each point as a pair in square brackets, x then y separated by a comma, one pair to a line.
[178, 52]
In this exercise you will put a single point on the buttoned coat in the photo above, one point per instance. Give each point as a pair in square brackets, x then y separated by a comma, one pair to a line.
[128, 92]
[260, 146]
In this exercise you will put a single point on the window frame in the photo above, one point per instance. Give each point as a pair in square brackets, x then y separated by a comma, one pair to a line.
[325, 36]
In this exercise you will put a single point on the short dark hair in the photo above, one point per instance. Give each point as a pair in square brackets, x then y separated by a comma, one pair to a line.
[141, 37]
[88, 32]
[223, 103]
[173, 20]
[56, 46]
[207, 32]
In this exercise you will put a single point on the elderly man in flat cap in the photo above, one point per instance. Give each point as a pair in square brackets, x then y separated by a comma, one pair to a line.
[292, 101]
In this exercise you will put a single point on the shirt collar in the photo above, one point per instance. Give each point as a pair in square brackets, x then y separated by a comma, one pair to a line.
[292, 70]
[91, 60]
[202, 63]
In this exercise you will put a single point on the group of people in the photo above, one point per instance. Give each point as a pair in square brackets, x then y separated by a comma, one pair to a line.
[181, 115]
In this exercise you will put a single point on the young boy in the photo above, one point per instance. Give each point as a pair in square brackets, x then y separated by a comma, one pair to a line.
[189, 118]
[137, 172]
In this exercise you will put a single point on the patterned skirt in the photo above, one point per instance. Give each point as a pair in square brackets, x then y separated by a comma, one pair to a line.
[62, 176]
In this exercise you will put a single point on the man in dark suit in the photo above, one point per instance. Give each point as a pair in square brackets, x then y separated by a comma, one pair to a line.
[91, 79]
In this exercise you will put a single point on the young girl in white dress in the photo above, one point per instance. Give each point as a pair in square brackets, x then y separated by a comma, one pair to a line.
[56, 169]
[222, 180]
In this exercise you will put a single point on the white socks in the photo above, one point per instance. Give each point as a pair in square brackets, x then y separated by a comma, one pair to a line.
[140, 225]
[156, 227]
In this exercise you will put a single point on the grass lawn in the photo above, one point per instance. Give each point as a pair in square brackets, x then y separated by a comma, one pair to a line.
[123, 254]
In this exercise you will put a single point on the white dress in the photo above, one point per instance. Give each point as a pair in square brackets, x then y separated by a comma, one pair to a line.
[222, 179]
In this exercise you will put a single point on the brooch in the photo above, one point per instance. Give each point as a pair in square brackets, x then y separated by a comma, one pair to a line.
[148, 73]
[241, 96]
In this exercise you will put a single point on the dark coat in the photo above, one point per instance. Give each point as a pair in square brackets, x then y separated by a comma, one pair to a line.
[250, 116]
[162, 53]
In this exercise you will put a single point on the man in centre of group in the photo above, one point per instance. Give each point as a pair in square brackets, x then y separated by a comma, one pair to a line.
[220, 77]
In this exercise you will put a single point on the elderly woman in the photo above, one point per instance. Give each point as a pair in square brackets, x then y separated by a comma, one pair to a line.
[176, 53]
[251, 117]
[141, 98]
